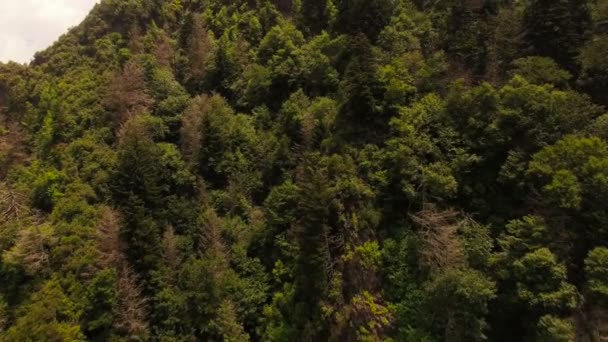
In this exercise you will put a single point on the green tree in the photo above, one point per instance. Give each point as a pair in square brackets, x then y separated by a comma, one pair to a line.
[572, 175]
[102, 299]
[459, 300]
[50, 315]
[597, 275]
[316, 15]
[542, 282]
[422, 155]
[138, 190]
[556, 29]
[553, 329]
[541, 70]
[594, 75]
[363, 17]
[361, 92]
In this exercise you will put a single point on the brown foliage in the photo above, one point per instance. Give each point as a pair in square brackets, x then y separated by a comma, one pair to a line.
[600, 325]
[164, 51]
[212, 242]
[309, 125]
[136, 43]
[127, 94]
[109, 244]
[11, 204]
[475, 5]
[591, 324]
[170, 249]
[228, 324]
[442, 248]
[32, 248]
[131, 309]
[200, 48]
[192, 122]
[133, 132]
[12, 145]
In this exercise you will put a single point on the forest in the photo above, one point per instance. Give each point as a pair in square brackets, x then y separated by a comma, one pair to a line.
[309, 170]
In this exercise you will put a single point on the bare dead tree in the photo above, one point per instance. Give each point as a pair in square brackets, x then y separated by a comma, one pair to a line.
[212, 243]
[200, 49]
[12, 145]
[32, 248]
[309, 125]
[228, 323]
[131, 309]
[109, 244]
[192, 122]
[438, 229]
[136, 43]
[329, 263]
[164, 51]
[127, 95]
[591, 322]
[600, 325]
[170, 249]
[12, 203]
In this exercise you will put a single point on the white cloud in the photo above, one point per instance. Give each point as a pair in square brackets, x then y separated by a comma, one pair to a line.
[27, 26]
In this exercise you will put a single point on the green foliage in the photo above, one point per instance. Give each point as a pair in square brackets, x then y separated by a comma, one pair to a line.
[50, 315]
[233, 151]
[525, 235]
[468, 34]
[363, 17]
[316, 15]
[541, 70]
[542, 281]
[572, 176]
[43, 183]
[556, 29]
[419, 165]
[553, 329]
[102, 300]
[308, 170]
[361, 90]
[459, 300]
[594, 74]
[596, 274]
[531, 111]
[478, 244]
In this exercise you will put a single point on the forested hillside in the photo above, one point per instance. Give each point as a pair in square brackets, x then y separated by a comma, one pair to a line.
[309, 170]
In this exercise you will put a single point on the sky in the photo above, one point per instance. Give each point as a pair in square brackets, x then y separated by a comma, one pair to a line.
[28, 26]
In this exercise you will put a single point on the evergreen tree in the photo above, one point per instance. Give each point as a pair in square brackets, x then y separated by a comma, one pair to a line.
[309, 170]
[315, 16]
[363, 17]
[556, 29]
[138, 191]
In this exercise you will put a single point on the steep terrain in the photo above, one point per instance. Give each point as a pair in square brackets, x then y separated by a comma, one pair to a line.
[309, 170]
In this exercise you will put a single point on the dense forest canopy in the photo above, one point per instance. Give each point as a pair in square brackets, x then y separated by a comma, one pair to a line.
[309, 170]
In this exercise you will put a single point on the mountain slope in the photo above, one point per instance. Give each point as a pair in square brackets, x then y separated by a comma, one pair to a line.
[307, 170]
